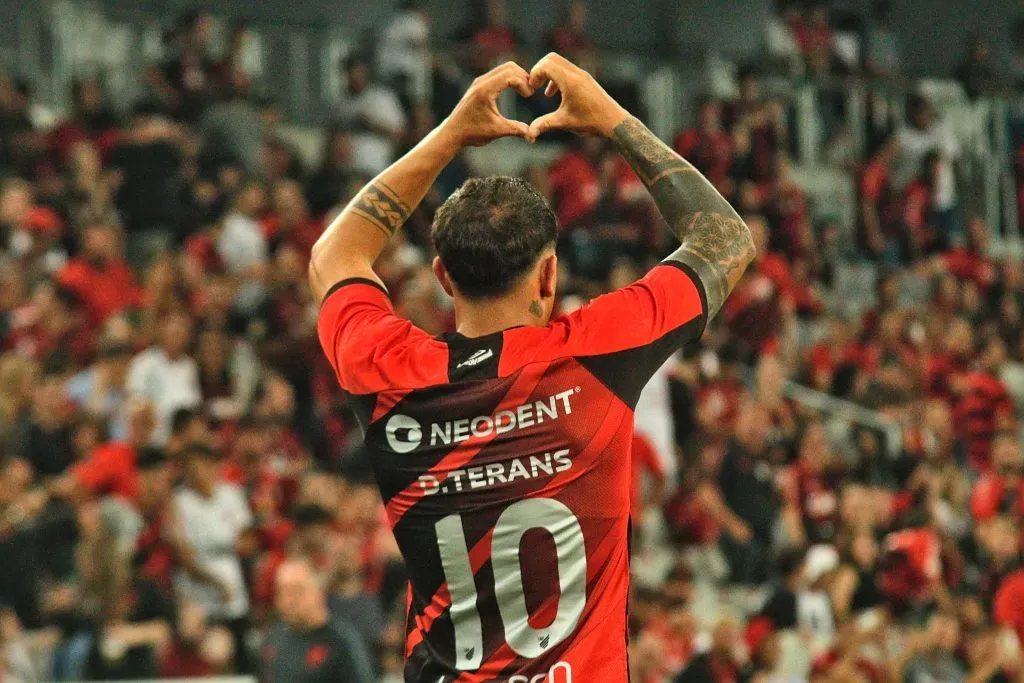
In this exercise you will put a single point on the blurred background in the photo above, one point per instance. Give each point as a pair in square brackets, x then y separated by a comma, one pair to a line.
[829, 487]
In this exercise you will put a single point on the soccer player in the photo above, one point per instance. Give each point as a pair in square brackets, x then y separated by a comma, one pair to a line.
[502, 450]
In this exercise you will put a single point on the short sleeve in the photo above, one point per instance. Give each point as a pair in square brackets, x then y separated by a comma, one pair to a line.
[1006, 608]
[625, 336]
[370, 348]
[100, 471]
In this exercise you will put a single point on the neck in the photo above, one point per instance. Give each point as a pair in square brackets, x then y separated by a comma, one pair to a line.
[479, 318]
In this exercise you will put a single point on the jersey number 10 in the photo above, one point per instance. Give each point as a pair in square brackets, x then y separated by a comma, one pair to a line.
[526, 641]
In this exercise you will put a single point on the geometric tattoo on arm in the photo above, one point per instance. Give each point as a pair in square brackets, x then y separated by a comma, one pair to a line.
[381, 206]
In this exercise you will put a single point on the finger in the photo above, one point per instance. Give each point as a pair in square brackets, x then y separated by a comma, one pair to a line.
[550, 68]
[508, 75]
[551, 89]
[548, 122]
[518, 129]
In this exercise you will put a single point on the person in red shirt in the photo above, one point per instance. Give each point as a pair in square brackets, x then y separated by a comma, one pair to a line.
[111, 467]
[495, 241]
[1001, 490]
[1008, 607]
[708, 145]
[91, 119]
[969, 262]
[911, 566]
[574, 182]
[982, 406]
[876, 197]
[491, 39]
[811, 498]
[153, 554]
[755, 311]
[100, 277]
[944, 372]
[570, 38]
[648, 477]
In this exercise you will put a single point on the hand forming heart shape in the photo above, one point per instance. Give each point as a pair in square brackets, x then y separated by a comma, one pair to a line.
[586, 108]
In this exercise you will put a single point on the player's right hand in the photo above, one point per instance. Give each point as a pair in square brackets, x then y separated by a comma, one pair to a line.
[476, 120]
[586, 108]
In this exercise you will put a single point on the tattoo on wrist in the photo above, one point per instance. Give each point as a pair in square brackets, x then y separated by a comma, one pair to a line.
[382, 206]
[536, 309]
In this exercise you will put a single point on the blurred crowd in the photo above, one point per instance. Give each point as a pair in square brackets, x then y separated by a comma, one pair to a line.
[182, 487]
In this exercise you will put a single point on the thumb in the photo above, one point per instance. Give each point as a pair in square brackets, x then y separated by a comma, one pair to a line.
[518, 129]
[553, 121]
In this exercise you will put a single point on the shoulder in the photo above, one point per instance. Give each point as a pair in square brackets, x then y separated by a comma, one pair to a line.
[370, 347]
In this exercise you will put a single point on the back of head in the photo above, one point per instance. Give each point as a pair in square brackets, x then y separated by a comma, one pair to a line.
[490, 233]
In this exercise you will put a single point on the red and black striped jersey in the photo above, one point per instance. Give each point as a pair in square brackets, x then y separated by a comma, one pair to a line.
[504, 465]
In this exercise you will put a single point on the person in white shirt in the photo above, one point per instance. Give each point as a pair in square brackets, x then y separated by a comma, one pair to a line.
[214, 521]
[404, 51]
[653, 418]
[242, 245]
[923, 136]
[166, 375]
[374, 116]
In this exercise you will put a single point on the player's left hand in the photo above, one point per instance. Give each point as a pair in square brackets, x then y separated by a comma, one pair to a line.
[475, 121]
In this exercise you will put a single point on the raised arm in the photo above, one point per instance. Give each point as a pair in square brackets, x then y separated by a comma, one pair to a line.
[351, 244]
[715, 241]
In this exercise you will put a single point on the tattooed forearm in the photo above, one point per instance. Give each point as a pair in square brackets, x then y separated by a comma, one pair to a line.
[715, 241]
[381, 206]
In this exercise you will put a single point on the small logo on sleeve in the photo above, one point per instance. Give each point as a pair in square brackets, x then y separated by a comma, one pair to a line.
[476, 359]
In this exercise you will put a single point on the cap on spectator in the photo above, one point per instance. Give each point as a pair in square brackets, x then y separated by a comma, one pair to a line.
[150, 458]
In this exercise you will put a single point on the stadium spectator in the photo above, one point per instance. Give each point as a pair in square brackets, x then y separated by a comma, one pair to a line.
[708, 146]
[307, 645]
[165, 374]
[720, 663]
[925, 135]
[403, 55]
[99, 277]
[216, 526]
[570, 38]
[372, 114]
[488, 39]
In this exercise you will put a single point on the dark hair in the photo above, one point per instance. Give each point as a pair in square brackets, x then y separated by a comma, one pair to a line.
[150, 458]
[790, 560]
[198, 450]
[490, 232]
[182, 419]
[310, 514]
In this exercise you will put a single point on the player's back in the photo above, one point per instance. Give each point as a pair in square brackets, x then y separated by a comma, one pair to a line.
[503, 462]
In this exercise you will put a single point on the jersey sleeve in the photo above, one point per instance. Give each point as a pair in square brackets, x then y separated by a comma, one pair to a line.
[370, 348]
[624, 337]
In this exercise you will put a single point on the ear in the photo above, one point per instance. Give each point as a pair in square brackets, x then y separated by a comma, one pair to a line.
[442, 276]
[549, 275]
